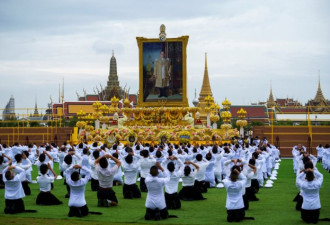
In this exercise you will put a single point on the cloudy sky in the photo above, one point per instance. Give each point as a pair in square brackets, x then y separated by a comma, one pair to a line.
[249, 44]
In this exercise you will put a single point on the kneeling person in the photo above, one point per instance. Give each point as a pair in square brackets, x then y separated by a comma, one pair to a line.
[45, 197]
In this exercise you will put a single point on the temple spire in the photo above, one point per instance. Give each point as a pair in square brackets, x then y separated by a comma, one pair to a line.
[35, 113]
[206, 87]
[270, 101]
[319, 97]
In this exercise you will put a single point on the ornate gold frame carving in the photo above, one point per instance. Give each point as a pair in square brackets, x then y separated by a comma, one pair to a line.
[184, 102]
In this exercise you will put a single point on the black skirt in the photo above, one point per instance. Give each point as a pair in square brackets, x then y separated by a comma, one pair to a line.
[47, 198]
[310, 216]
[106, 194]
[95, 185]
[190, 193]
[26, 188]
[255, 185]
[235, 215]
[156, 214]
[131, 191]
[246, 202]
[201, 185]
[250, 194]
[299, 202]
[14, 206]
[172, 201]
[143, 186]
[2, 184]
[78, 211]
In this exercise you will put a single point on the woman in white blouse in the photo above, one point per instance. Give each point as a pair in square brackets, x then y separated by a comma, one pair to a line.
[173, 164]
[309, 182]
[77, 202]
[155, 202]
[14, 192]
[130, 166]
[189, 192]
[235, 186]
[45, 197]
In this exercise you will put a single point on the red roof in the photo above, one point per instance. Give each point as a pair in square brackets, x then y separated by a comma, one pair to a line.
[132, 98]
[281, 101]
[251, 111]
[294, 110]
[92, 97]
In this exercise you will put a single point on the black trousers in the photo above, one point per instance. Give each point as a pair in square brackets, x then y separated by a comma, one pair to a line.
[78, 211]
[14, 206]
[143, 186]
[106, 194]
[172, 201]
[95, 184]
[131, 191]
[162, 92]
[235, 215]
[310, 216]
[156, 214]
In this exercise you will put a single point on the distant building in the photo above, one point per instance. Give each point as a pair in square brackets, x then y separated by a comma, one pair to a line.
[284, 109]
[84, 103]
[36, 116]
[253, 113]
[9, 111]
[319, 103]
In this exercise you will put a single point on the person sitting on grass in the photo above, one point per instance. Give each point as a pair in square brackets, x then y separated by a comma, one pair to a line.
[235, 185]
[173, 165]
[94, 180]
[309, 181]
[130, 168]
[45, 197]
[105, 195]
[14, 192]
[23, 162]
[155, 202]
[77, 201]
[145, 164]
[189, 191]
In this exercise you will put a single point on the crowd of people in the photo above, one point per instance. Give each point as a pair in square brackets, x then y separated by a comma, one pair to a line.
[240, 168]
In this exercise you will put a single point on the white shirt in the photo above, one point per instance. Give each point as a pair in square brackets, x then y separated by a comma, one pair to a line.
[310, 190]
[190, 179]
[172, 185]
[202, 168]
[146, 164]
[45, 182]
[13, 187]
[77, 188]
[155, 197]
[130, 171]
[106, 175]
[235, 192]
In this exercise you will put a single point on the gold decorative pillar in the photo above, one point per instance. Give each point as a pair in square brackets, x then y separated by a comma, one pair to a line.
[203, 95]
[241, 122]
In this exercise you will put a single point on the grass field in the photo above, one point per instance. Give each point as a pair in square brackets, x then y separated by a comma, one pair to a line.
[275, 206]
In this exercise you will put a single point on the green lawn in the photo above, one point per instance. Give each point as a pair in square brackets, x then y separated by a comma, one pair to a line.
[275, 206]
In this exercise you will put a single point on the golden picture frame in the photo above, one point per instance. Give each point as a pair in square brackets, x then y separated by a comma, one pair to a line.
[162, 72]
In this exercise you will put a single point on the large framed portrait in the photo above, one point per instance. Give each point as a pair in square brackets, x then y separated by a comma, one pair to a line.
[162, 72]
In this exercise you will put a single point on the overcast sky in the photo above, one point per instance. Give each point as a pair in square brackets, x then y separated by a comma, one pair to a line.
[249, 44]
